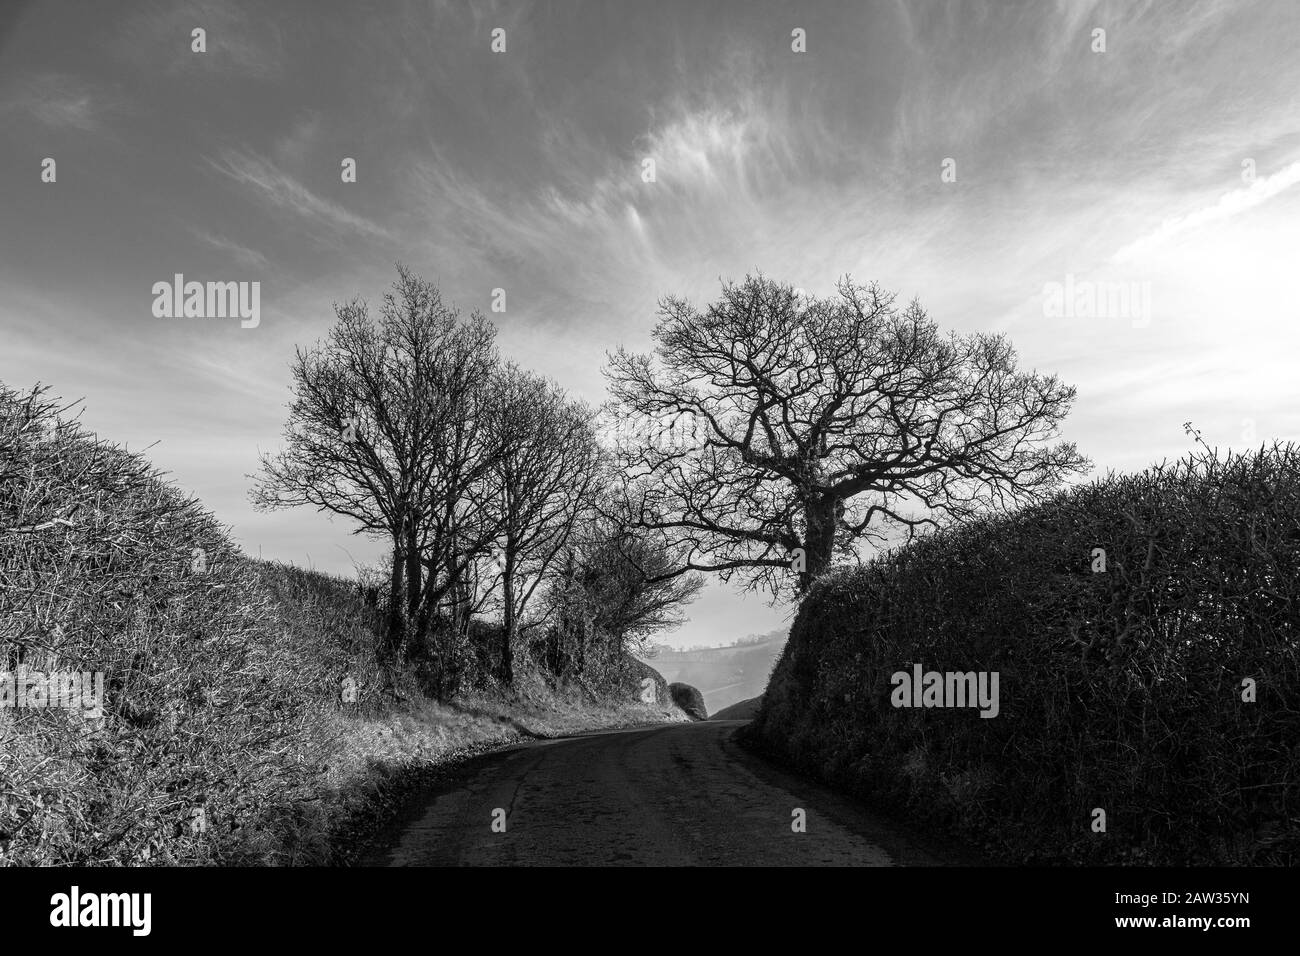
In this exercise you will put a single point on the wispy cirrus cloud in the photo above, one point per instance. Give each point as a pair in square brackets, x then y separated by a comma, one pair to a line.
[241, 253]
[60, 100]
[286, 192]
[1230, 204]
[594, 221]
[250, 44]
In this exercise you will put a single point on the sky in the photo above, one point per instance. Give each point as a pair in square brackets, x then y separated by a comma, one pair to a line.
[1004, 163]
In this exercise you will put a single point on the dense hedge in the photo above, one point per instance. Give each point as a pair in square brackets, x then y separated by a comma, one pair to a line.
[1119, 689]
[690, 700]
[216, 669]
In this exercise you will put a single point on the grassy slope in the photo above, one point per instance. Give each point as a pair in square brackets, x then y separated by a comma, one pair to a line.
[380, 759]
[375, 752]
[741, 710]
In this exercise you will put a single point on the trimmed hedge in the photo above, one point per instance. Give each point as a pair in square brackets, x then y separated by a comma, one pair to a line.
[1120, 689]
[689, 700]
[216, 669]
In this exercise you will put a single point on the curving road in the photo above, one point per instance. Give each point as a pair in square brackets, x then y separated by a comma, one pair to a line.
[681, 794]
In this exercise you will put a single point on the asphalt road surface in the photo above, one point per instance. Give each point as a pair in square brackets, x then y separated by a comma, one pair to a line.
[681, 794]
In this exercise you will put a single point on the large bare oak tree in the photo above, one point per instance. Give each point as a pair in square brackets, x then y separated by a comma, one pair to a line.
[798, 428]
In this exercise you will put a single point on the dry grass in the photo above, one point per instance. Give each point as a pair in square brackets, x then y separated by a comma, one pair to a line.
[380, 759]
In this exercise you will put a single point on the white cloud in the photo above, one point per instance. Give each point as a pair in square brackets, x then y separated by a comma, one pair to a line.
[57, 99]
[1229, 205]
[236, 43]
[242, 253]
[288, 193]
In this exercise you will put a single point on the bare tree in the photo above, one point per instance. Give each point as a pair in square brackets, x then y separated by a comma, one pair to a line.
[637, 593]
[378, 425]
[624, 583]
[823, 423]
[546, 470]
[456, 521]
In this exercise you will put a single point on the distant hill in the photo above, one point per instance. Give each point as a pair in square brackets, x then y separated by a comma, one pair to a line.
[724, 675]
[744, 710]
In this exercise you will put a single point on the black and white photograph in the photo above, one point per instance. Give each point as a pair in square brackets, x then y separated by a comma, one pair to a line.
[679, 435]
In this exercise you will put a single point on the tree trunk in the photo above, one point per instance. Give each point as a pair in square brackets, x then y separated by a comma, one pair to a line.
[510, 623]
[508, 619]
[394, 629]
[820, 517]
[414, 574]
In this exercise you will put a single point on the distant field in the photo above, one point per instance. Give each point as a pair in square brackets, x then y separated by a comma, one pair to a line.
[743, 710]
[724, 675]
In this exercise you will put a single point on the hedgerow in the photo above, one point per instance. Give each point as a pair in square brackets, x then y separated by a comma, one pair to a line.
[209, 743]
[1130, 621]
